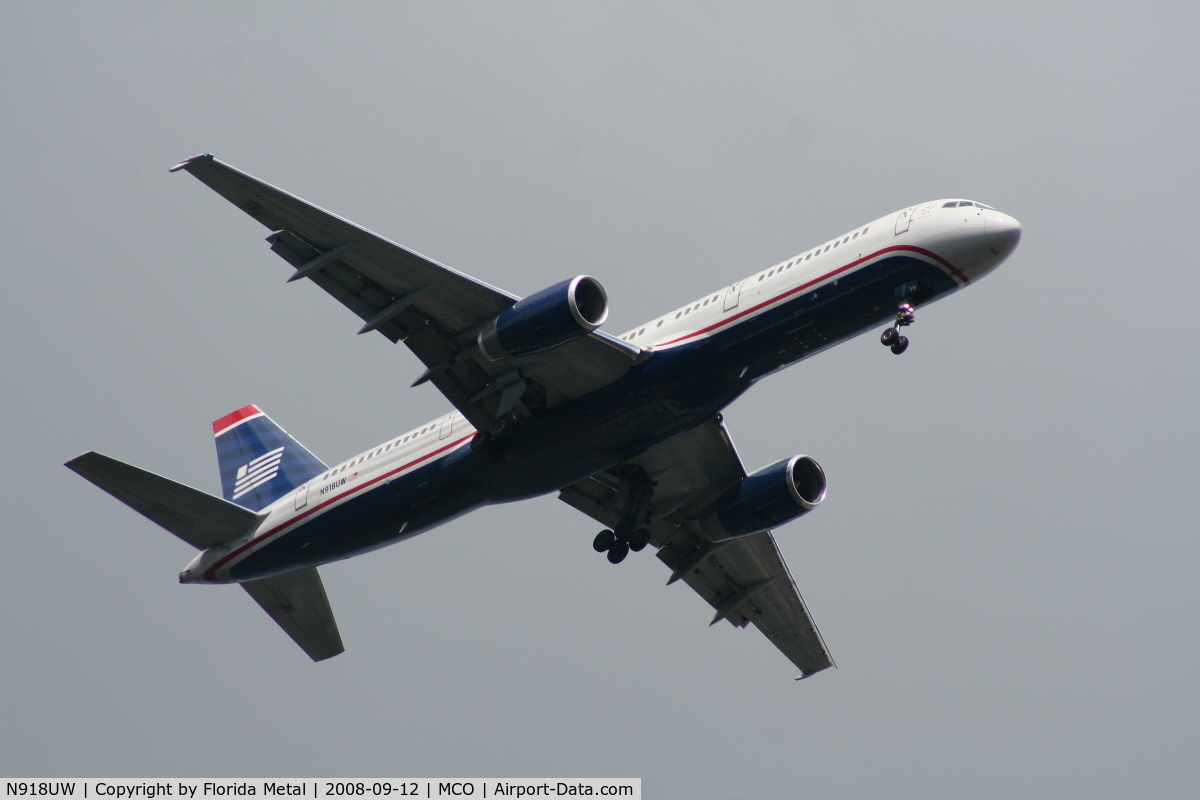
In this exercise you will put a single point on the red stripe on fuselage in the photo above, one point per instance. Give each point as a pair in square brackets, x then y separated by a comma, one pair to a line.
[229, 420]
[208, 573]
[955, 271]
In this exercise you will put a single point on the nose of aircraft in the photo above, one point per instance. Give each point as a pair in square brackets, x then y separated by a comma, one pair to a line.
[1002, 231]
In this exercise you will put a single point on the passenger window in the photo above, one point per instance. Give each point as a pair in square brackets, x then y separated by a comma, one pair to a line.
[865, 231]
[826, 250]
[760, 277]
[706, 301]
[659, 324]
[855, 236]
[678, 314]
[807, 257]
[643, 330]
[845, 240]
[835, 244]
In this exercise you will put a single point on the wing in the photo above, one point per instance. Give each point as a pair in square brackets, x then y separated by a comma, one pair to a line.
[745, 580]
[298, 604]
[407, 297]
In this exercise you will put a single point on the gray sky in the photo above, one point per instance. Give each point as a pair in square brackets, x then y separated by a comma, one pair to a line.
[1006, 569]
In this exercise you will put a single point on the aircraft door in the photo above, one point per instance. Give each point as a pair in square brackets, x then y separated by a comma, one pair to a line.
[447, 426]
[302, 496]
[732, 294]
[903, 219]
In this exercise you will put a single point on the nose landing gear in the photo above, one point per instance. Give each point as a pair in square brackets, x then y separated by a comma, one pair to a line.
[891, 337]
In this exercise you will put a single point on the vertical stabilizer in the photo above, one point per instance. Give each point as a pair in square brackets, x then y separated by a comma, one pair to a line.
[259, 461]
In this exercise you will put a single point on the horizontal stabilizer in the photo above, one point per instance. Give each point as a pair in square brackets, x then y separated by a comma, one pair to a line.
[298, 603]
[197, 517]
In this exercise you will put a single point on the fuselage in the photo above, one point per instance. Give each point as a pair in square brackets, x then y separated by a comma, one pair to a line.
[699, 359]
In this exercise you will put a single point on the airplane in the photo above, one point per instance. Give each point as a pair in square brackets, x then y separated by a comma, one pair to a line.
[627, 429]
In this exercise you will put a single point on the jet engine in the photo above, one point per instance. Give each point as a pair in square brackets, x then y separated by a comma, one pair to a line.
[770, 497]
[547, 319]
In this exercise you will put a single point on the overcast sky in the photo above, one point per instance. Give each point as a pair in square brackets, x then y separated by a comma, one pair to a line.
[1006, 570]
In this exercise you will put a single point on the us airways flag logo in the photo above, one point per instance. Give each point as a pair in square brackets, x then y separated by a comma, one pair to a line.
[257, 472]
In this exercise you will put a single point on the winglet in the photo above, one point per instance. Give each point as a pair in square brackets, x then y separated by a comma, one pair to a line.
[184, 164]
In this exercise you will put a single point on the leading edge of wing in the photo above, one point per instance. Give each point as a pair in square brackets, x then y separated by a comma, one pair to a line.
[225, 179]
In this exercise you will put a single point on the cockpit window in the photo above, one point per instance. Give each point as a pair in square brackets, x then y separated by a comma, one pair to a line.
[966, 204]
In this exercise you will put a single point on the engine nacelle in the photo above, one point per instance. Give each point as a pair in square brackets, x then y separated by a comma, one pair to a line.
[547, 319]
[768, 498]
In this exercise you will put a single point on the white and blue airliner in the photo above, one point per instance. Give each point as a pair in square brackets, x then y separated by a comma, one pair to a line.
[627, 429]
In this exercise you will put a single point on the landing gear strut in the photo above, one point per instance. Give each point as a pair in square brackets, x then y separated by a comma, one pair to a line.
[891, 337]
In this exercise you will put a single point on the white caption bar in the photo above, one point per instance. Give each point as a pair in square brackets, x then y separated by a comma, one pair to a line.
[344, 789]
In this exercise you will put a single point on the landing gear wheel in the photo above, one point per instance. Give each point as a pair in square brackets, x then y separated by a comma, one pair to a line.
[617, 553]
[604, 540]
[639, 540]
[891, 337]
[480, 441]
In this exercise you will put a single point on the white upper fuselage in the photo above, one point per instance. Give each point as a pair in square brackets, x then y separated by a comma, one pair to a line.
[955, 234]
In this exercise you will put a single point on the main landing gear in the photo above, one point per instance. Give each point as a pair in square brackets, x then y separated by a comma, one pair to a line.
[891, 337]
[503, 432]
[628, 534]
[618, 543]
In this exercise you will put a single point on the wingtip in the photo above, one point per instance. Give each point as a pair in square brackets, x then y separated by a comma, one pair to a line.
[77, 460]
[188, 161]
[316, 657]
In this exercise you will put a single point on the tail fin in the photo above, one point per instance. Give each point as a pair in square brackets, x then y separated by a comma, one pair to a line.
[259, 462]
[197, 517]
